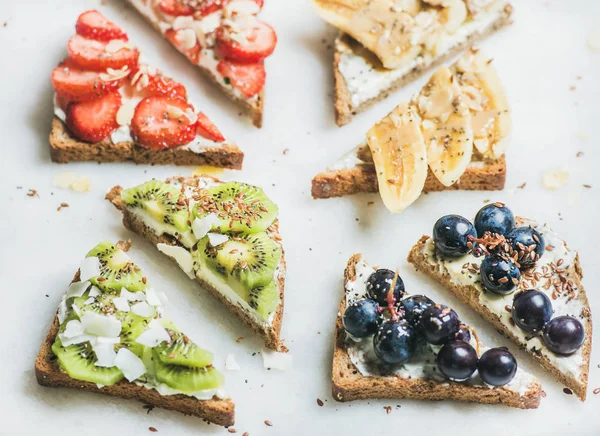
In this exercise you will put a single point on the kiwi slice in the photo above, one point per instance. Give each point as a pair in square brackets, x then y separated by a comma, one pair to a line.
[238, 206]
[164, 202]
[132, 326]
[182, 351]
[78, 361]
[185, 379]
[116, 269]
[246, 261]
[264, 299]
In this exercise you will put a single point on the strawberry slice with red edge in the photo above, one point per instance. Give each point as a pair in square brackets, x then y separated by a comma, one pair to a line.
[163, 122]
[248, 78]
[176, 7]
[95, 55]
[92, 24]
[207, 129]
[247, 40]
[74, 84]
[158, 85]
[94, 120]
[207, 7]
[193, 54]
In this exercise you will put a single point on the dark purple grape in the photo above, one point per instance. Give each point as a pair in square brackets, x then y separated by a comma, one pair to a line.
[361, 318]
[564, 335]
[378, 286]
[457, 360]
[521, 238]
[531, 310]
[451, 235]
[395, 342]
[497, 366]
[494, 218]
[439, 324]
[414, 306]
[463, 334]
[499, 275]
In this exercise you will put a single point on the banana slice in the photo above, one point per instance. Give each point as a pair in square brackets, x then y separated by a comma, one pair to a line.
[382, 26]
[455, 13]
[400, 157]
[446, 126]
[485, 97]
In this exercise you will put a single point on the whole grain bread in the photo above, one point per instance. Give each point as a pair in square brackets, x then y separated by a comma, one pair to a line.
[270, 333]
[345, 110]
[349, 384]
[49, 373]
[64, 147]
[470, 296]
[252, 108]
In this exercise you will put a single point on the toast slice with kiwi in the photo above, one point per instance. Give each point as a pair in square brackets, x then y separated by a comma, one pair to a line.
[358, 373]
[361, 80]
[556, 274]
[223, 234]
[110, 336]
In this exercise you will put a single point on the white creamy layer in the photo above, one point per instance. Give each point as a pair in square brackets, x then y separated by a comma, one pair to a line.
[570, 365]
[422, 364]
[206, 394]
[364, 81]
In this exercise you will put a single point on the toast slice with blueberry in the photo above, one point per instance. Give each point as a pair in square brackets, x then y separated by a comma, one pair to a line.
[521, 277]
[373, 356]
[110, 107]
[225, 235]
[224, 39]
[107, 340]
[361, 79]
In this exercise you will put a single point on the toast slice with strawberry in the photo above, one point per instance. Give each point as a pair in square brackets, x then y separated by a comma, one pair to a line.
[111, 336]
[223, 38]
[389, 344]
[109, 107]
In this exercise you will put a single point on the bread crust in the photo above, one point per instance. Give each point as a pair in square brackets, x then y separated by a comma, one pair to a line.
[49, 373]
[345, 111]
[64, 147]
[470, 296]
[491, 176]
[270, 334]
[253, 109]
[349, 384]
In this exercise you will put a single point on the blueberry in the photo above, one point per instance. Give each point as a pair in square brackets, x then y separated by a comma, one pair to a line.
[395, 342]
[414, 306]
[564, 335]
[494, 218]
[499, 275]
[457, 360]
[439, 324]
[521, 238]
[451, 235]
[463, 334]
[497, 366]
[531, 310]
[361, 318]
[378, 286]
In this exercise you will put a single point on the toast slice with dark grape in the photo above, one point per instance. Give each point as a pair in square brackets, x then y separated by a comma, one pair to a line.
[110, 336]
[416, 361]
[223, 234]
[521, 277]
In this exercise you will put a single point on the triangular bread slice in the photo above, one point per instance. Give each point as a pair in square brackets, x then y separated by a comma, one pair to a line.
[253, 107]
[269, 331]
[349, 383]
[49, 373]
[361, 80]
[557, 268]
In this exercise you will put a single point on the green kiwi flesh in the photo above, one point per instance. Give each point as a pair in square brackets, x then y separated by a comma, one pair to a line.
[116, 269]
[183, 352]
[264, 299]
[185, 379]
[238, 206]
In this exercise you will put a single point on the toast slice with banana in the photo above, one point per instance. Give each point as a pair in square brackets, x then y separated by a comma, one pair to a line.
[385, 44]
[451, 135]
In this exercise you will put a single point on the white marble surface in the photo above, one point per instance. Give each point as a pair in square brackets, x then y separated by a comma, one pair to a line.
[539, 59]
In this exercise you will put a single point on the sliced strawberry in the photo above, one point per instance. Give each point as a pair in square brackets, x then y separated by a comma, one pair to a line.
[207, 7]
[95, 55]
[247, 40]
[248, 78]
[92, 24]
[62, 102]
[163, 122]
[94, 120]
[176, 7]
[192, 54]
[260, 3]
[207, 129]
[160, 85]
[73, 84]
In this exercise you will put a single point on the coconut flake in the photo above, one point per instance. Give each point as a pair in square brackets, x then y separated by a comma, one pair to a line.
[64, 180]
[105, 355]
[182, 22]
[121, 304]
[89, 268]
[186, 38]
[143, 309]
[73, 328]
[181, 256]
[76, 340]
[274, 360]
[231, 364]
[101, 325]
[132, 296]
[62, 310]
[130, 365]
[77, 289]
[554, 180]
[201, 226]
[152, 298]
[155, 334]
[82, 184]
[94, 292]
[217, 239]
